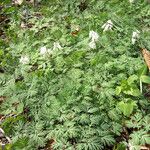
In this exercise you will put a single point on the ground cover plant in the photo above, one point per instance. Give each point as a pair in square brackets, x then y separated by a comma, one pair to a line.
[72, 74]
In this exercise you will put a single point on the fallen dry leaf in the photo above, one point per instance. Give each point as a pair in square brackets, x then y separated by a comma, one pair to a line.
[144, 148]
[2, 98]
[146, 55]
[49, 145]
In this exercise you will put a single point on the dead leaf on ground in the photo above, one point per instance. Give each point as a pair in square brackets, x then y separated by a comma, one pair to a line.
[144, 148]
[146, 55]
[2, 98]
[49, 145]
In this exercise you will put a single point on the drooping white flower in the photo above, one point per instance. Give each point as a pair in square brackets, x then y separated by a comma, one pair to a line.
[107, 26]
[24, 60]
[92, 45]
[43, 50]
[131, 1]
[135, 36]
[18, 2]
[93, 36]
[132, 146]
[23, 25]
[56, 46]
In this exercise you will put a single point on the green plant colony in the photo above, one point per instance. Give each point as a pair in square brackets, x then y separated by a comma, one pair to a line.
[74, 75]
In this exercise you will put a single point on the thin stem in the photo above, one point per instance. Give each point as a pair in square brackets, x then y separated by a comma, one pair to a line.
[141, 88]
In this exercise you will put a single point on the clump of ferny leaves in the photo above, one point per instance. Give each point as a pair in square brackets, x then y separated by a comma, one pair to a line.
[61, 82]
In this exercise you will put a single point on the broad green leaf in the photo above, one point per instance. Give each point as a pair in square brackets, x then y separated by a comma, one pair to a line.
[132, 78]
[145, 139]
[118, 90]
[135, 91]
[126, 108]
[145, 79]
[8, 147]
[143, 70]
[132, 90]
[129, 109]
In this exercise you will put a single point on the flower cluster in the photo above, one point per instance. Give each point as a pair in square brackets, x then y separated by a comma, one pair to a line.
[56, 46]
[18, 2]
[131, 1]
[107, 26]
[94, 38]
[43, 52]
[135, 36]
[24, 60]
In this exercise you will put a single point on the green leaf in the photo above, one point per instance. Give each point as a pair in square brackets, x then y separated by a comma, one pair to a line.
[118, 90]
[1, 52]
[135, 91]
[145, 79]
[132, 78]
[120, 146]
[20, 143]
[93, 110]
[20, 108]
[57, 34]
[126, 108]
[8, 147]
[145, 139]
[143, 70]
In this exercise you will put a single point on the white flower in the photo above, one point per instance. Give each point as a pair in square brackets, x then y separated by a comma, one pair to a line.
[135, 36]
[43, 50]
[107, 26]
[18, 2]
[24, 60]
[131, 1]
[92, 45]
[93, 36]
[23, 25]
[133, 147]
[56, 46]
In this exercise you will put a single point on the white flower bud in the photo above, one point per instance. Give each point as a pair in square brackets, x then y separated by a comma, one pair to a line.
[131, 1]
[24, 60]
[107, 26]
[18, 2]
[56, 46]
[135, 36]
[93, 36]
[43, 50]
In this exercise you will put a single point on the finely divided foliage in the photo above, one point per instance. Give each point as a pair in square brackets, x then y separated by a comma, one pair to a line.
[72, 75]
